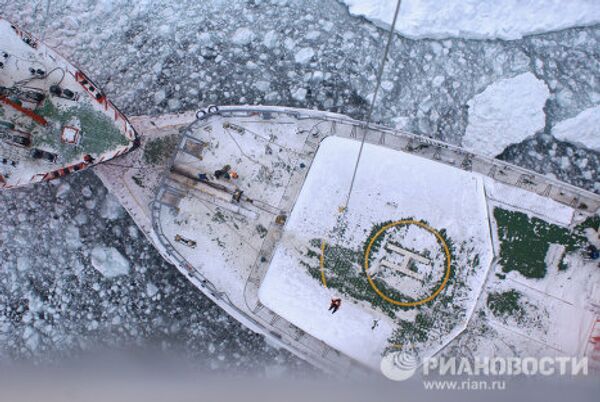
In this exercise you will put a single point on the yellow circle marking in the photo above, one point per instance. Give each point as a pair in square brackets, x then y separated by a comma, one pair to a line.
[430, 230]
[322, 263]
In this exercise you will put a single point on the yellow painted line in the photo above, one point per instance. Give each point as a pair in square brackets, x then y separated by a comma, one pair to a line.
[322, 263]
[430, 230]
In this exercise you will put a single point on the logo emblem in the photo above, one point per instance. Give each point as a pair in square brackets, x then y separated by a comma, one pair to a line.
[399, 365]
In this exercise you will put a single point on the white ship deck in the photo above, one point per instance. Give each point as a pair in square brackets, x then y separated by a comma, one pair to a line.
[226, 247]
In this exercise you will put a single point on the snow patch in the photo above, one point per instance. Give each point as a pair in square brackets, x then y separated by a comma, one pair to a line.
[304, 55]
[109, 262]
[32, 338]
[87, 192]
[262, 85]
[72, 237]
[270, 39]
[23, 263]
[400, 122]
[242, 36]
[151, 289]
[111, 209]
[299, 94]
[583, 129]
[63, 190]
[515, 198]
[506, 112]
[478, 19]
[160, 96]
[593, 236]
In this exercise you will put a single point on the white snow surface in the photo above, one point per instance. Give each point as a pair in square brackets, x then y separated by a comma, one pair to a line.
[478, 19]
[515, 198]
[450, 196]
[304, 55]
[242, 36]
[506, 112]
[109, 261]
[583, 129]
[111, 208]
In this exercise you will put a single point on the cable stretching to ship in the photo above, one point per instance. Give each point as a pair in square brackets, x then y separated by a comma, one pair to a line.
[336, 301]
[343, 208]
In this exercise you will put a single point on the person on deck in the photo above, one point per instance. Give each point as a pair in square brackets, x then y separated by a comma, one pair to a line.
[336, 302]
[223, 173]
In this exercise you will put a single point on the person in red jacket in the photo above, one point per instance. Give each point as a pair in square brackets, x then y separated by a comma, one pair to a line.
[336, 302]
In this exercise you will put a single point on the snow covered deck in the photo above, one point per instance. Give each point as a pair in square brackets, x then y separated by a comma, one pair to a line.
[390, 186]
[228, 246]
